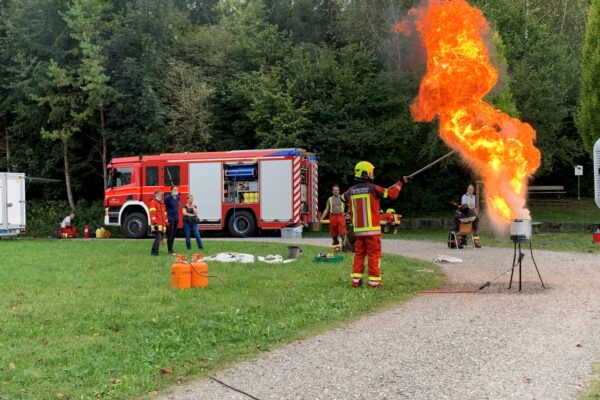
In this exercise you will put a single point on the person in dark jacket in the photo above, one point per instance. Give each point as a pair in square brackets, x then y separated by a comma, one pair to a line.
[172, 206]
[190, 223]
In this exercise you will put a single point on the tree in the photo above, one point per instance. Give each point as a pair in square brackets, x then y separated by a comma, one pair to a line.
[188, 100]
[542, 68]
[588, 111]
[87, 22]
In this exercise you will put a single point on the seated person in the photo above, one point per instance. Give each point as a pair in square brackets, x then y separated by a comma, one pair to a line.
[469, 198]
[466, 214]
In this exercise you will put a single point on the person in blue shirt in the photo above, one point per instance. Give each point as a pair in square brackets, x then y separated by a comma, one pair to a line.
[172, 206]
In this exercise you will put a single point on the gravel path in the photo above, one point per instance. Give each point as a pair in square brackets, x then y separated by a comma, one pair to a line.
[495, 344]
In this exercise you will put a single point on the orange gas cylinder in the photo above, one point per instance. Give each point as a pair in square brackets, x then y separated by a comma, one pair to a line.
[199, 271]
[181, 274]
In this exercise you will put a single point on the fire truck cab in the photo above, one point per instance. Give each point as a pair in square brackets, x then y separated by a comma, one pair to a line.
[239, 191]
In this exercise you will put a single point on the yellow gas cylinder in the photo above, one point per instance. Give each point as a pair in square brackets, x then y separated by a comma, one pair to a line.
[181, 273]
[199, 271]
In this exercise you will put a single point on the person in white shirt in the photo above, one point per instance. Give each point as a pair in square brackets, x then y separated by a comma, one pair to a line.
[469, 198]
[66, 229]
[67, 221]
[468, 213]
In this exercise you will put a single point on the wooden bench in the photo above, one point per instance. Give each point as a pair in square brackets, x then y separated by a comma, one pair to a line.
[556, 189]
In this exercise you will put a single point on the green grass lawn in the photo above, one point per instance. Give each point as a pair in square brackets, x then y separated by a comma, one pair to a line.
[568, 210]
[98, 319]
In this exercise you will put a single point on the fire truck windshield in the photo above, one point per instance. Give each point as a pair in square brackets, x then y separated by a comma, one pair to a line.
[119, 177]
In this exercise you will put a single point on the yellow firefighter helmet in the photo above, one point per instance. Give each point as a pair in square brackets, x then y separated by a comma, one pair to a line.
[364, 170]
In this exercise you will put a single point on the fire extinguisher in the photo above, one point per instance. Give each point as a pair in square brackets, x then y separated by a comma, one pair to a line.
[86, 231]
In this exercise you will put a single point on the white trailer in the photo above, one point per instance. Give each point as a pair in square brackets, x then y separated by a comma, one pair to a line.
[12, 203]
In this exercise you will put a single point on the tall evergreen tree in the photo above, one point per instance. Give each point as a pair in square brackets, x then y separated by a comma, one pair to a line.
[588, 111]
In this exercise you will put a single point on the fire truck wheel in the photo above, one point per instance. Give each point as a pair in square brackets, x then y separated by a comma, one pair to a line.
[136, 226]
[242, 223]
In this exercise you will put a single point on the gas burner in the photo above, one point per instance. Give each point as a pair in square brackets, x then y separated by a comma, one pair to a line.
[520, 232]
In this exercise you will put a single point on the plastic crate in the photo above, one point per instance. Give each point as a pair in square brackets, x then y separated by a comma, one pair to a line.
[292, 233]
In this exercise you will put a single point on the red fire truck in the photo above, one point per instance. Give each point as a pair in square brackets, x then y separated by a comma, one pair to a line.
[240, 191]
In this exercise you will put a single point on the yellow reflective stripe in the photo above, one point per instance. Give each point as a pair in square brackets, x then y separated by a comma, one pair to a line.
[356, 275]
[368, 228]
[373, 232]
[368, 210]
[153, 209]
[375, 278]
[385, 193]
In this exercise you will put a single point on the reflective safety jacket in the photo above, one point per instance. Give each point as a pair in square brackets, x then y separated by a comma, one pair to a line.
[339, 204]
[158, 216]
[364, 203]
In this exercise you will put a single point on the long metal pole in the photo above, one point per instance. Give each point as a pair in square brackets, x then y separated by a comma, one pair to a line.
[431, 164]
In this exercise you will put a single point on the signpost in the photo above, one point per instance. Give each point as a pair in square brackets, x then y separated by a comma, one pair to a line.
[596, 172]
[578, 174]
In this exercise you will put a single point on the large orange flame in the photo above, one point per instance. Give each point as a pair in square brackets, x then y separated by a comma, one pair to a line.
[459, 74]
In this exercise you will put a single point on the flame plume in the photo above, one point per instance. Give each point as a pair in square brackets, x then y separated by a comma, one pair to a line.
[459, 74]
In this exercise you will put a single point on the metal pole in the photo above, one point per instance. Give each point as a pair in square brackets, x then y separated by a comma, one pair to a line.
[431, 164]
[578, 192]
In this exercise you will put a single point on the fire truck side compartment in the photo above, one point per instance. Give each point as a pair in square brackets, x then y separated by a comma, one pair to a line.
[276, 190]
[205, 186]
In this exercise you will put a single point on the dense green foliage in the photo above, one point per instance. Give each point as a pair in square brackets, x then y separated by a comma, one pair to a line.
[588, 115]
[82, 81]
[44, 217]
[77, 324]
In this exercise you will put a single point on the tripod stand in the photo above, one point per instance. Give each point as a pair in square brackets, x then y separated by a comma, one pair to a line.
[519, 261]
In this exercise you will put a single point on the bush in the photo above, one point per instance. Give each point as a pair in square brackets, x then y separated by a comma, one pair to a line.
[44, 217]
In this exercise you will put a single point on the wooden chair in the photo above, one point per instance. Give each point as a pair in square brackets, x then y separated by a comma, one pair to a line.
[465, 229]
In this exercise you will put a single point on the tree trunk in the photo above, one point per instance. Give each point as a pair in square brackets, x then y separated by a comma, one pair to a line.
[526, 19]
[104, 151]
[68, 174]
[7, 149]
[564, 16]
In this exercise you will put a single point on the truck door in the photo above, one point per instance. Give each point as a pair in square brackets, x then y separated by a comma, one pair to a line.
[12, 201]
[276, 190]
[16, 200]
[152, 176]
[205, 181]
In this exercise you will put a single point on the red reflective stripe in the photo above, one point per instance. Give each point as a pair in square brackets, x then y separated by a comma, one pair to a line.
[359, 210]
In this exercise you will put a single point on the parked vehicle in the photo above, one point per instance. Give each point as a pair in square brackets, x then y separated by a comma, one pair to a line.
[238, 191]
[12, 204]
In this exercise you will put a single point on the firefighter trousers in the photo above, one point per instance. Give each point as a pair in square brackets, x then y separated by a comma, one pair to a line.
[367, 246]
[156, 244]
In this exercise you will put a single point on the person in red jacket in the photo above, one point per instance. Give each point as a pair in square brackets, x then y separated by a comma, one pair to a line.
[158, 219]
[364, 203]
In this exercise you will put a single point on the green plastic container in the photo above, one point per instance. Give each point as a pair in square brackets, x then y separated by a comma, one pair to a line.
[336, 258]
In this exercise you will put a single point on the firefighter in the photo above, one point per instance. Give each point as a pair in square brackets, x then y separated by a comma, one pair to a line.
[158, 217]
[337, 221]
[364, 202]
